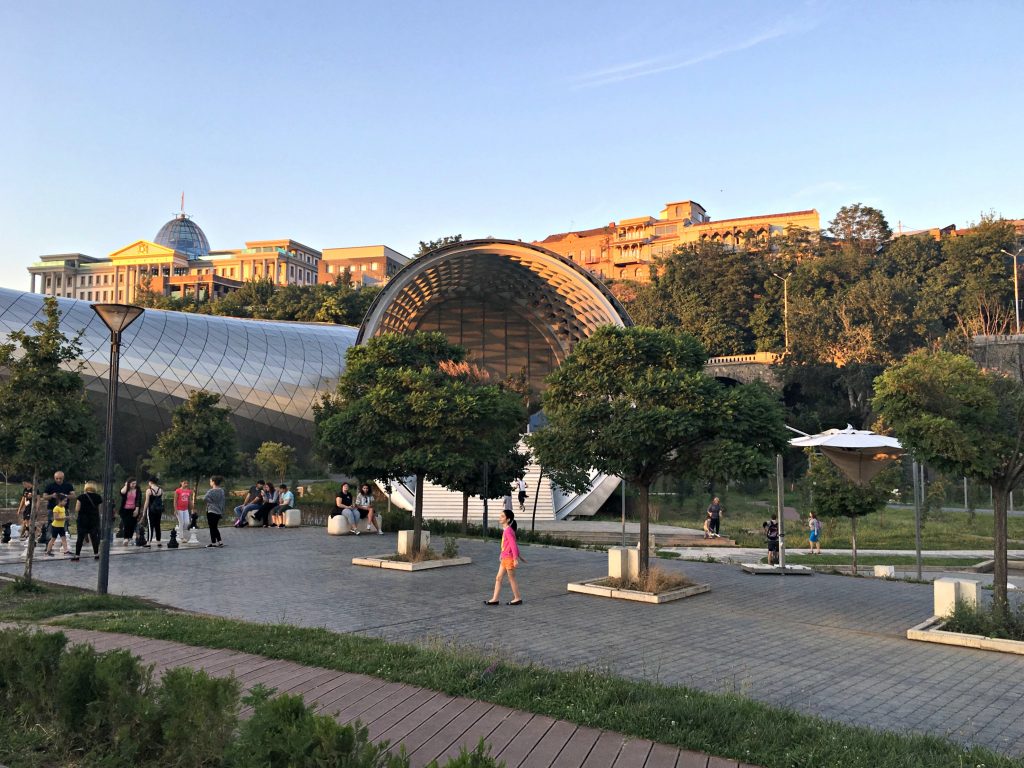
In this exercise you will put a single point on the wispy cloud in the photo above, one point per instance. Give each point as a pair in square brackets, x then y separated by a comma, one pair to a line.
[656, 66]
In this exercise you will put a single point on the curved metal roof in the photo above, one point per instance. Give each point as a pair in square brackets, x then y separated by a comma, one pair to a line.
[563, 301]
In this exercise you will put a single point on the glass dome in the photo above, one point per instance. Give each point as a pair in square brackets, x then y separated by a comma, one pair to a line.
[184, 235]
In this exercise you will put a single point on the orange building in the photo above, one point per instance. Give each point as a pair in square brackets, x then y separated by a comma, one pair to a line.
[628, 249]
[366, 264]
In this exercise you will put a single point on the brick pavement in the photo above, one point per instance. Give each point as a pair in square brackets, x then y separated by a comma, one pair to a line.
[826, 645]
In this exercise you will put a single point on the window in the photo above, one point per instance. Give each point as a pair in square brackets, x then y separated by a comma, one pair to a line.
[81, 280]
[373, 267]
[309, 276]
[90, 295]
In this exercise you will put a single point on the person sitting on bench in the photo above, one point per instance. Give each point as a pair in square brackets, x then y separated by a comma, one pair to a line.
[364, 506]
[269, 496]
[285, 499]
[343, 505]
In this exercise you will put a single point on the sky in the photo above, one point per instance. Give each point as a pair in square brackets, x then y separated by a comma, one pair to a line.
[355, 123]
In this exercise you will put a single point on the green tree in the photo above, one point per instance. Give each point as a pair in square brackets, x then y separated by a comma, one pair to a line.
[426, 246]
[963, 421]
[502, 420]
[199, 443]
[401, 410]
[274, 459]
[832, 495]
[45, 421]
[861, 228]
[634, 402]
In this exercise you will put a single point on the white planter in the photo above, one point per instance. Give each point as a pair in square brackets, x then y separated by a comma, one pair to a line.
[591, 587]
[405, 541]
[386, 562]
[931, 632]
[293, 518]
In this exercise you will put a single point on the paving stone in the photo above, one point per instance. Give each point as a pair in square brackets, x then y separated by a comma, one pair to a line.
[840, 640]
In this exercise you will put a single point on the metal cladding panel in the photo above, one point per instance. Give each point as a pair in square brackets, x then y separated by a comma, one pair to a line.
[268, 373]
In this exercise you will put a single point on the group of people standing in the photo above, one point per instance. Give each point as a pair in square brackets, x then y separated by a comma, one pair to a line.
[139, 512]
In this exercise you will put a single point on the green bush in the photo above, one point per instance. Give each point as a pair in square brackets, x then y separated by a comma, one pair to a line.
[28, 671]
[284, 732]
[451, 547]
[478, 758]
[197, 716]
[983, 620]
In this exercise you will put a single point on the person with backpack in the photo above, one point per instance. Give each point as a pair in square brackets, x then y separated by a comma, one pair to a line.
[814, 525]
[771, 532]
[153, 510]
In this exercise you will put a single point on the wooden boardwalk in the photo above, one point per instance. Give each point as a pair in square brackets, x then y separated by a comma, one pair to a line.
[430, 725]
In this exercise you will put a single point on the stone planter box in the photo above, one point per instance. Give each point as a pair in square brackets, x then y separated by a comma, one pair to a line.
[592, 587]
[760, 569]
[932, 631]
[387, 561]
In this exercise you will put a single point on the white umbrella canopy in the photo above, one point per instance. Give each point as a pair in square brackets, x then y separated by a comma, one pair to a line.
[859, 454]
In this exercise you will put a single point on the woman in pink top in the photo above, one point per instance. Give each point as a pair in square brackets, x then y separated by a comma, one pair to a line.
[510, 558]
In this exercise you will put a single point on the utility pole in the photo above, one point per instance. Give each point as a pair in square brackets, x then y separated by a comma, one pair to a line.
[1016, 289]
[785, 308]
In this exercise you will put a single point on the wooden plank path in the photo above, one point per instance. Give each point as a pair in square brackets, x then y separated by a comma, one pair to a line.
[430, 725]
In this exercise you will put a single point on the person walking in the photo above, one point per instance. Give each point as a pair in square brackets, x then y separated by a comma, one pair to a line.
[509, 561]
[130, 509]
[88, 507]
[153, 510]
[714, 517]
[214, 499]
[25, 507]
[53, 490]
[814, 527]
[521, 490]
[183, 501]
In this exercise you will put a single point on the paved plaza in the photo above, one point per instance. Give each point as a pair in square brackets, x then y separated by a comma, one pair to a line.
[827, 645]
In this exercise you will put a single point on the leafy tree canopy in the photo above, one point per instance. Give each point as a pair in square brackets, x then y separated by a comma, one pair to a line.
[963, 421]
[200, 441]
[426, 246]
[274, 460]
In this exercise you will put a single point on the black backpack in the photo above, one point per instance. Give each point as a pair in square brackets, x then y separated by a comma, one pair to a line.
[156, 503]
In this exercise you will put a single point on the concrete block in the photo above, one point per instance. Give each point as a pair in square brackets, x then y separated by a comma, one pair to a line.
[337, 525]
[969, 590]
[293, 518]
[623, 563]
[250, 518]
[885, 572]
[405, 541]
[946, 593]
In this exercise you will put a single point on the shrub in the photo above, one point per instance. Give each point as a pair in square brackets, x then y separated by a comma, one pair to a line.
[285, 733]
[451, 548]
[478, 758]
[657, 581]
[28, 671]
[197, 716]
[983, 620]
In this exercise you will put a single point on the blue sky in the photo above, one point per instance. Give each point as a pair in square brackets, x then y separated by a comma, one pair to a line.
[389, 122]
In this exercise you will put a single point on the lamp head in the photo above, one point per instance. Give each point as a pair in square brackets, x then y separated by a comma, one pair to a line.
[117, 317]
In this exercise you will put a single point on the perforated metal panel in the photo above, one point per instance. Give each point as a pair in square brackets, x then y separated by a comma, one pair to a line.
[515, 307]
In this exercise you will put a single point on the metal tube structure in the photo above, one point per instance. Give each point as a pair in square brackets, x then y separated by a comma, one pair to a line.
[780, 501]
[107, 512]
[623, 511]
[916, 469]
[785, 307]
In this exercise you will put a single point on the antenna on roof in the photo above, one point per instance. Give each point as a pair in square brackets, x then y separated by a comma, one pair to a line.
[182, 203]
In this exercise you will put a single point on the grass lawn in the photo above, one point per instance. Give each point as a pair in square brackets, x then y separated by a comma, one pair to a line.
[869, 560]
[720, 724]
[891, 529]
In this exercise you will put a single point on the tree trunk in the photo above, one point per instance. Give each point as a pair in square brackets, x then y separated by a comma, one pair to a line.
[465, 512]
[1000, 503]
[853, 541]
[32, 526]
[645, 515]
[417, 517]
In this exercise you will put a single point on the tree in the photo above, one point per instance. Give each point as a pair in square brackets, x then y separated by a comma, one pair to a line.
[433, 245]
[963, 421]
[502, 418]
[45, 421]
[634, 402]
[274, 459]
[402, 409]
[200, 441]
[832, 495]
[861, 228]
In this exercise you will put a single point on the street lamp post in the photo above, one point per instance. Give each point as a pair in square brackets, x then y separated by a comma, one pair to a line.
[785, 306]
[116, 317]
[1016, 290]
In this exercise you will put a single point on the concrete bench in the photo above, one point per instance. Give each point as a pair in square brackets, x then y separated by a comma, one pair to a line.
[340, 526]
[293, 518]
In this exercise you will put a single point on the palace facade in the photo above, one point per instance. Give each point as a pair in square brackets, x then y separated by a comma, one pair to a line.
[629, 248]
